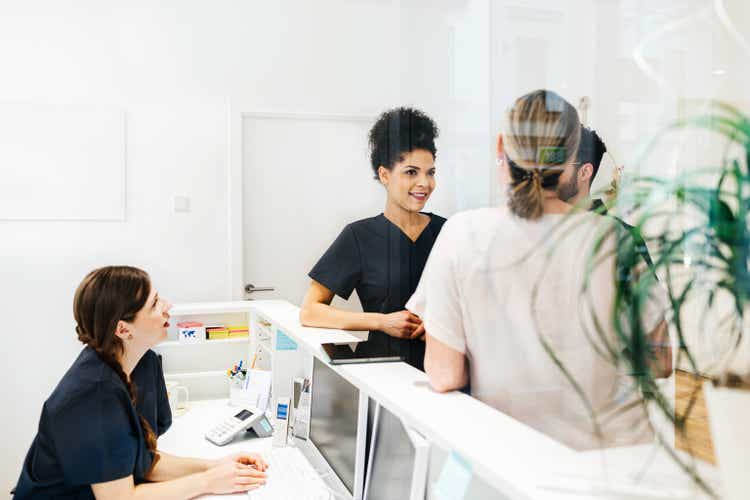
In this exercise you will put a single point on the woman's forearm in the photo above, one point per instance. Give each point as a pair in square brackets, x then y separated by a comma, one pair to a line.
[189, 486]
[231, 474]
[325, 316]
[172, 467]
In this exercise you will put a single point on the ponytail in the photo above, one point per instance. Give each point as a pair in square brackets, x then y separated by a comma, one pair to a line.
[541, 137]
[527, 187]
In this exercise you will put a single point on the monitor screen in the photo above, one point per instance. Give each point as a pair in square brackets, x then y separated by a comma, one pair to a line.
[392, 456]
[333, 421]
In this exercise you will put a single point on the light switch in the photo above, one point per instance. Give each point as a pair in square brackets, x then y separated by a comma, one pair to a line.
[180, 203]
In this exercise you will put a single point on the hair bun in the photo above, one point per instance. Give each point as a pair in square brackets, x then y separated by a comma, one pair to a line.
[541, 137]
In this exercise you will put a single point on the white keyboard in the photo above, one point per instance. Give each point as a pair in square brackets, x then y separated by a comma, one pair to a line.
[290, 477]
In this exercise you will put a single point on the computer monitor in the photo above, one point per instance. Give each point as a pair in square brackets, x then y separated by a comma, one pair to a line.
[338, 421]
[397, 466]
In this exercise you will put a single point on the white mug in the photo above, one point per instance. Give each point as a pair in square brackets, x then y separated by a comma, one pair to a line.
[174, 390]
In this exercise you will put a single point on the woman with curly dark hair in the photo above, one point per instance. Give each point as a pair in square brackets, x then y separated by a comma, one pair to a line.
[382, 257]
[98, 430]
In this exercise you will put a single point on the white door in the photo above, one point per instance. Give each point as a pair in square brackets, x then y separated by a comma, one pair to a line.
[304, 179]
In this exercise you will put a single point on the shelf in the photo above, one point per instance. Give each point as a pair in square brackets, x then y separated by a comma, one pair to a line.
[264, 325]
[264, 328]
[189, 375]
[177, 343]
[266, 348]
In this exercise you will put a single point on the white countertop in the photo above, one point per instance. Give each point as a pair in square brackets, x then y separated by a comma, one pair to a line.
[513, 458]
[286, 316]
[186, 436]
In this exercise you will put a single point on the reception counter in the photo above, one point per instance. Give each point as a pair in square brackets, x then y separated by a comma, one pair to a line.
[506, 458]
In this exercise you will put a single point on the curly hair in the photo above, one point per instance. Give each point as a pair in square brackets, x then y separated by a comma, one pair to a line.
[399, 131]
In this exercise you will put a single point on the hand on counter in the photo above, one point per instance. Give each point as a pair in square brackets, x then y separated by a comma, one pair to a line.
[254, 459]
[235, 473]
[401, 324]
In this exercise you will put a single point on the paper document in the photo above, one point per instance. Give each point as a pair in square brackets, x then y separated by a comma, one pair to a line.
[258, 388]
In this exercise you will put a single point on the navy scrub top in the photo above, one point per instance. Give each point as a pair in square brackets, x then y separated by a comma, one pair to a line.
[374, 257]
[89, 431]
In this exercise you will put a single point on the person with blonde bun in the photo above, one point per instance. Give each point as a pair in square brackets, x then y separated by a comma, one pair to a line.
[500, 296]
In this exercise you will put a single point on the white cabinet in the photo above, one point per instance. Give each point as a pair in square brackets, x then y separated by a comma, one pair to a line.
[202, 366]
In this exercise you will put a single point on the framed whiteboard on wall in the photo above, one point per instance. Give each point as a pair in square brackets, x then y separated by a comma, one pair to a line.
[62, 163]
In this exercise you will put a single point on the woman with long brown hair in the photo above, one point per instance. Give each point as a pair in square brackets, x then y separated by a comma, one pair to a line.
[98, 430]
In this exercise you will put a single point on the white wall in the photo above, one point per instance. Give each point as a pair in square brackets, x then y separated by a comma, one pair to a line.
[177, 68]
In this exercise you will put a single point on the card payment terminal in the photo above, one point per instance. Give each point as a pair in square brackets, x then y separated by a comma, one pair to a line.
[243, 421]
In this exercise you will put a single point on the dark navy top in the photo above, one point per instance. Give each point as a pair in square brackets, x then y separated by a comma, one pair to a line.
[376, 258]
[89, 431]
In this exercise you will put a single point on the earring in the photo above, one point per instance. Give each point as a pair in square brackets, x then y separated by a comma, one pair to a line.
[130, 337]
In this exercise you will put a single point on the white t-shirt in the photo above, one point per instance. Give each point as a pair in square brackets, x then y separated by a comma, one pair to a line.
[495, 285]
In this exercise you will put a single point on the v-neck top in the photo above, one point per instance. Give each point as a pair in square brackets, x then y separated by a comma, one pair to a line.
[377, 259]
[89, 431]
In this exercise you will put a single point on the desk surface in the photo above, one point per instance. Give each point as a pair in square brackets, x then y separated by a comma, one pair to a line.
[186, 436]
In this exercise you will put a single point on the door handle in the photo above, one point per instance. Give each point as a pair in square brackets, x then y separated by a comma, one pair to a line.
[250, 288]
